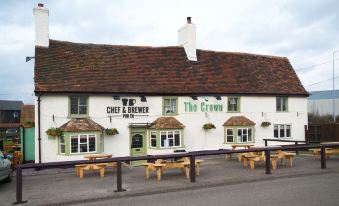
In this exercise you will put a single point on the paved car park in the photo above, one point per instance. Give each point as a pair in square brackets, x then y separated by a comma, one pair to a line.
[63, 186]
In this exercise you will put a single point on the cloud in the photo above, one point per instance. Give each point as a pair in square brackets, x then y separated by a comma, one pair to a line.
[305, 31]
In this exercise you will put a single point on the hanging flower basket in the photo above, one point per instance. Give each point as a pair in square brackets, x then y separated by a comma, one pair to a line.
[265, 124]
[111, 131]
[54, 132]
[208, 126]
[29, 124]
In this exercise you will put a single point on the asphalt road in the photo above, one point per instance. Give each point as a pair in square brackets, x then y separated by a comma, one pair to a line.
[315, 190]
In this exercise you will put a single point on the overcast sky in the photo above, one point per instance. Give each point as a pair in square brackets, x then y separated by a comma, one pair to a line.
[305, 31]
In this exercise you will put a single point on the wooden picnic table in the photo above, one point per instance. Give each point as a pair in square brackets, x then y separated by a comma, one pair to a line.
[92, 167]
[160, 165]
[234, 146]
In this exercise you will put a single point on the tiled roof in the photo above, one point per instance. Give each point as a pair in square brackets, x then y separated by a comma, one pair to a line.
[27, 114]
[238, 121]
[81, 125]
[10, 105]
[93, 68]
[166, 123]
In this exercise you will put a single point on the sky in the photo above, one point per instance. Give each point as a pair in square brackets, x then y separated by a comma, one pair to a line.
[305, 31]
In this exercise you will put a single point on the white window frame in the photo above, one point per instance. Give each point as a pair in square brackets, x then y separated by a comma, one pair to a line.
[152, 138]
[87, 142]
[242, 132]
[172, 107]
[236, 105]
[62, 144]
[166, 143]
[282, 127]
[229, 135]
[281, 100]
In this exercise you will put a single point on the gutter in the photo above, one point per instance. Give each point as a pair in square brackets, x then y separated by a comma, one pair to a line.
[39, 127]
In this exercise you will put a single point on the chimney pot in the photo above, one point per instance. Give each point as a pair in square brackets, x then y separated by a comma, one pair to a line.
[40, 5]
[188, 20]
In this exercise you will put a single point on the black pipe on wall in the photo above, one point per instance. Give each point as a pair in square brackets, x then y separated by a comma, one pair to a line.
[39, 127]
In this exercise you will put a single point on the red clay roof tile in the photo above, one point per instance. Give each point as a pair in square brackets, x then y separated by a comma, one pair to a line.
[94, 68]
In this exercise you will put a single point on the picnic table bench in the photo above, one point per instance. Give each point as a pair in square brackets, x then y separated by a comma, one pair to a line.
[328, 152]
[160, 165]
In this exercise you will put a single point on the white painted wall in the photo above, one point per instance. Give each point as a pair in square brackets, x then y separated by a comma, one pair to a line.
[257, 109]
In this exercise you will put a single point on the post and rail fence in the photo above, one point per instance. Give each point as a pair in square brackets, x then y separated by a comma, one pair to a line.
[191, 155]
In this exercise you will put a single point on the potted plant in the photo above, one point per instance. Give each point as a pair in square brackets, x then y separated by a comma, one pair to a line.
[29, 124]
[111, 131]
[265, 124]
[208, 126]
[54, 132]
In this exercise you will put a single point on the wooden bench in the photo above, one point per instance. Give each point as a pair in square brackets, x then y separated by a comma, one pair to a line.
[286, 155]
[160, 165]
[328, 152]
[90, 167]
[259, 158]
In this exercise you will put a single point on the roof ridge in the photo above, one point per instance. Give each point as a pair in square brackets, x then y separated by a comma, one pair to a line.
[174, 46]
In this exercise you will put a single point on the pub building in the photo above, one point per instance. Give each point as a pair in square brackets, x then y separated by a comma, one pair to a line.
[159, 99]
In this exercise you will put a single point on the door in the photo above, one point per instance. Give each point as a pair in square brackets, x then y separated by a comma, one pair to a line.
[138, 144]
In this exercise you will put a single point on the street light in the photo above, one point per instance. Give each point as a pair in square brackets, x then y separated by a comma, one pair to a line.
[333, 92]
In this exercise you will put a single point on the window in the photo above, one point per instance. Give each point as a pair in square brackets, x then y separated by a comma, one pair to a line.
[78, 105]
[281, 104]
[83, 143]
[170, 139]
[62, 145]
[153, 139]
[170, 105]
[245, 135]
[229, 135]
[282, 131]
[233, 104]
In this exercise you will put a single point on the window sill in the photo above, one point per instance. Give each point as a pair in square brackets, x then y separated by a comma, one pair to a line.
[233, 112]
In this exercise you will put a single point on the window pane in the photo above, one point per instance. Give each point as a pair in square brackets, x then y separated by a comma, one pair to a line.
[244, 138]
[163, 139]
[83, 138]
[170, 139]
[74, 144]
[153, 139]
[250, 135]
[83, 147]
[288, 131]
[276, 131]
[177, 138]
[62, 149]
[62, 139]
[282, 131]
[284, 103]
[239, 135]
[278, 103]
[229, 132]
[173, 105]
[91, 144]
[74, 105]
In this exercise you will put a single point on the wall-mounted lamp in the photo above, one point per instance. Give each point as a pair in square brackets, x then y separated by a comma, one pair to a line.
[218, 97]
[143, 99]
[116, 97]
[29, 58]
[194, 97]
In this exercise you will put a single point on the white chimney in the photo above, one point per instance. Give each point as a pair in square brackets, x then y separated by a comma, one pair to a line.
[187, 39]
[41, 26]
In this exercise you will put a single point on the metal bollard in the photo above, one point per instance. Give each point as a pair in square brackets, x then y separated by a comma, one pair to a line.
[192, 168]
[323, 158]
[19, 186]
[268, 161]
[119, 178]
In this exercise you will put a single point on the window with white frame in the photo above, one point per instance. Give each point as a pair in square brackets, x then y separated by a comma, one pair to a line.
[170, 139]
[83, 143]
[170, 105]
[78, 105]
[233, 104]
[282, 104]
[62, 145]
[153, 139]
[282, 131]
[229, 135]
[244, 135]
